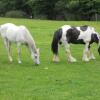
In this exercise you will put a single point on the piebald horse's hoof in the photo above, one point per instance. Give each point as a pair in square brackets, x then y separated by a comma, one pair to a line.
[72, 60]
[56, 60]
[85, 60]
[92, 58]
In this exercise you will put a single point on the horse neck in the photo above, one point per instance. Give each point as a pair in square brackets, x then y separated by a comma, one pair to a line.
[32, 46]
[30, 42]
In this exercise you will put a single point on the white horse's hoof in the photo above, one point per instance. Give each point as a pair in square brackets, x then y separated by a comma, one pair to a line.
[10, 59]
[19, 62]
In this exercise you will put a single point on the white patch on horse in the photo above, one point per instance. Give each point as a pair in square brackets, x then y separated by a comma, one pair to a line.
[64, 31]
[85, 35]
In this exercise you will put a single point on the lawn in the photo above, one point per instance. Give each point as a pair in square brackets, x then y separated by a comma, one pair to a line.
[48, 81]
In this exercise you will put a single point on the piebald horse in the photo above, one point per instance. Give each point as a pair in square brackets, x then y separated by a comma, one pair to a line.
[76, 35]
[19, 35]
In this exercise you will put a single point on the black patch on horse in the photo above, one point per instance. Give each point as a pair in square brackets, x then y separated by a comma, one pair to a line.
[83, 28]
[94, 38]
[72, 36]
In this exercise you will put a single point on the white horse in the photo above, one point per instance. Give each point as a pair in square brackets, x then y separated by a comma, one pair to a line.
[19, 35]
[77, 35]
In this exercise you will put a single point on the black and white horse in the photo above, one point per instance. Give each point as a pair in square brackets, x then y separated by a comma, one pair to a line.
[76, 35]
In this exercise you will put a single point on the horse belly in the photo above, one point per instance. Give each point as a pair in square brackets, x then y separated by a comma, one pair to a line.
[11, 37]
[20, 38]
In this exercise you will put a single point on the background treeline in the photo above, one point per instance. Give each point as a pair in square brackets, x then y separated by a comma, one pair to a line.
[51, 9]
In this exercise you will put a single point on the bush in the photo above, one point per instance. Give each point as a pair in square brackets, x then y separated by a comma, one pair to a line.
[16, 14]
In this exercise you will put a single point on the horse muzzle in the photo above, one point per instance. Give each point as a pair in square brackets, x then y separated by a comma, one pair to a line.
[37, 63]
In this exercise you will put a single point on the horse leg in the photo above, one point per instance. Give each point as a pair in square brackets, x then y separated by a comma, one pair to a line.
[91, 55]
[8, 47]
[19, 52]
[86, 52]
[9, 51]
[69, 56]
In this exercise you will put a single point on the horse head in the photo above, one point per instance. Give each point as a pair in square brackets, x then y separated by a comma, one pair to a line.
[35, 57]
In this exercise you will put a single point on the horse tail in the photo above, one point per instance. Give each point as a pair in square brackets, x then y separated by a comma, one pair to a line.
[56, 40]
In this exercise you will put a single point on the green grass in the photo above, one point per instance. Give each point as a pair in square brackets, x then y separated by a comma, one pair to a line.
[49, 81]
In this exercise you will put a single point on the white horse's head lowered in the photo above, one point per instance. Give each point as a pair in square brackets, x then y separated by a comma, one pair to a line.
[35, 56]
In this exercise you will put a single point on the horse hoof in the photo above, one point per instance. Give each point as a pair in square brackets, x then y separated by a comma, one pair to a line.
[19, 62]
[11, 60]
[86, 60]
[93, 58]
[72, 60]
[55, 61]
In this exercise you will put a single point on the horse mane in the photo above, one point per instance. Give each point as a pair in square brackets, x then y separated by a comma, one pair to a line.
[30, 40]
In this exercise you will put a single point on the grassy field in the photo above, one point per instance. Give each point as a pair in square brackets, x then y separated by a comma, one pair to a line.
[49, 81]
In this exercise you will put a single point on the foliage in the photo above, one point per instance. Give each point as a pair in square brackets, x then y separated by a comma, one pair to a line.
[16, 14]
[54, 9]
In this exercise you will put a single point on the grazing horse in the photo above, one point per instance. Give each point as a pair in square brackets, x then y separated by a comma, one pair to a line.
[19, 35]
[76, 35]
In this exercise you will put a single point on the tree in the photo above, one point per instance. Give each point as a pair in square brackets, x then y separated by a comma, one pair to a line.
[54, 9]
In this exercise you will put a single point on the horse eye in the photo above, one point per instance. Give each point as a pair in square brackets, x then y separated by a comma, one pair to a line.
[35, 57]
